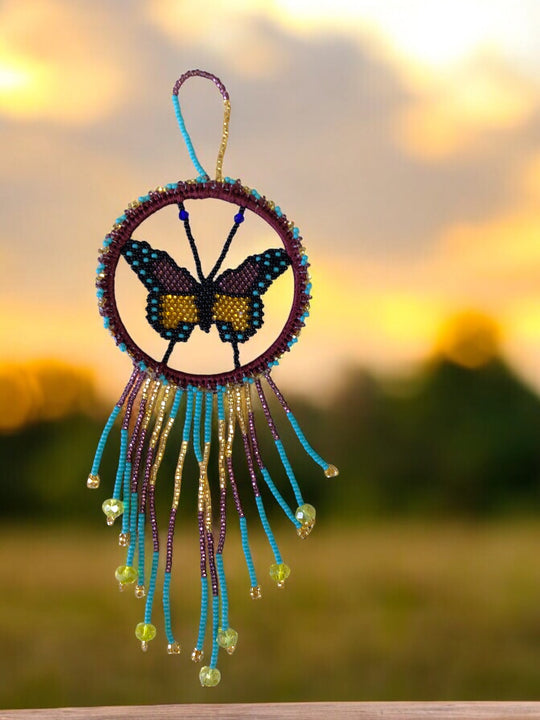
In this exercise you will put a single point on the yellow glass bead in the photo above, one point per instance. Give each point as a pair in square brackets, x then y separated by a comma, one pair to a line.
[140, 591]
[92, 482]
[197, 655]
[145, 632]
[123, 539]
[331, 471]
[279, 572]
[174, 648]
[255, 592]
[305, 514]
[112, 509]
[227, 639]
[209, 677]
[125, 574]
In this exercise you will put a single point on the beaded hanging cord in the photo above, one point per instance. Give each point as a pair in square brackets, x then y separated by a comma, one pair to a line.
[159, 400]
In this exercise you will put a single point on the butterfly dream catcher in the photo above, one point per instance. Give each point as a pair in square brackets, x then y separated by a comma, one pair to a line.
[160, 401]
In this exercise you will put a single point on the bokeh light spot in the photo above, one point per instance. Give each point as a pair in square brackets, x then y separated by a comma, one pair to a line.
[470, 339]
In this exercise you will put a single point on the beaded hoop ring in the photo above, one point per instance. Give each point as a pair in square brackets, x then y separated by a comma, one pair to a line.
[116, 242]
[157, 394]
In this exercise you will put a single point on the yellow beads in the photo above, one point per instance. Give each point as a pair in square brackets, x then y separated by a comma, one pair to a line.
[126, 575]
[178, 308]
[112, 509]
[145, 632]
[255, 592]
[305, 514]
[227, 639]
[174, 648]
[209, 677]
[331, 471]
[232, 309]
[92, 482]
[279, 572]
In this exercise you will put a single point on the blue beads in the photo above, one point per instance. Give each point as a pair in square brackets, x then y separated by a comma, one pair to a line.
[247, 552]
[268, 529]
[204, 613]
[215, 625]
[183, 214]
[279, 497]
[151, 588]
[185, 135]
[103, 439]
[208, 416]
[121, 464]
[289, 471]
[167, 607]
[239, 218]
[307, 447]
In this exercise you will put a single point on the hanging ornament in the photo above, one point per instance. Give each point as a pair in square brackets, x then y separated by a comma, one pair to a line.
[160, 400]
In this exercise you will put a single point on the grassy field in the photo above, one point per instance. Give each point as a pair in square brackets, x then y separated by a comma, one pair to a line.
[381, 612]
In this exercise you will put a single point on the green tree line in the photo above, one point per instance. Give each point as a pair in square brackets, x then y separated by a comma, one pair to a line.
[449, 440]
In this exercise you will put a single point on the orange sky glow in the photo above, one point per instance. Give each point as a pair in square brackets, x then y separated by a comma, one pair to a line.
[402, 138]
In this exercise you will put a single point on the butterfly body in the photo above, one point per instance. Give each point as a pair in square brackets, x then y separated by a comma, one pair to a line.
[177, 302]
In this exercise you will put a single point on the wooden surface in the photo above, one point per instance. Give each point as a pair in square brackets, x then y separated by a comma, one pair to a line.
[290, 711]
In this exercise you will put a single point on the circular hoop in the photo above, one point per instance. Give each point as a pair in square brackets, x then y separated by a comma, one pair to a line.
[230, 191]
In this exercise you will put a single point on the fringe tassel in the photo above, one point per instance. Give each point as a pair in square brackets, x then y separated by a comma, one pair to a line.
[155, 405]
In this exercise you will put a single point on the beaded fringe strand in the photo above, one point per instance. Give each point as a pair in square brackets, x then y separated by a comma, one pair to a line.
[150, 408]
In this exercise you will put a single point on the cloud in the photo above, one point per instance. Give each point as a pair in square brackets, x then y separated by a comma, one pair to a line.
[400, 234]
[235, 34]
[58, 62]
[465, 110]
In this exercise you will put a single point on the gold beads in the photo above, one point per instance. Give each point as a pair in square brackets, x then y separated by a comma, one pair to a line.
[331, 471]
[255, 592]
[175, 309]
[197, 655]
[123, 539]
[174, 648]
[140, 591]
[92, 482]
[232, 309]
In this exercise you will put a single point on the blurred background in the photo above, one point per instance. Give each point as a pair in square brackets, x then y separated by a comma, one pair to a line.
[403, 139]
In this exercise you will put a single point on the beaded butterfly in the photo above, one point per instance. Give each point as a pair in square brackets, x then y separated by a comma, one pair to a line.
[232, 301]
[159, 397]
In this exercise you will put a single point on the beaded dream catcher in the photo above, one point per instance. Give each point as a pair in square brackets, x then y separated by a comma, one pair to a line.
[160, 400]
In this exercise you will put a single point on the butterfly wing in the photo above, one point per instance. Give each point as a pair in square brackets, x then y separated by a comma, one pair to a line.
[171, 307]
[238, 306]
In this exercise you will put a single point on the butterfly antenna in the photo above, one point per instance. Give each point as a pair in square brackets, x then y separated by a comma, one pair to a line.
[184, 216]
[238, 218]
[236, 354]
[169, 350]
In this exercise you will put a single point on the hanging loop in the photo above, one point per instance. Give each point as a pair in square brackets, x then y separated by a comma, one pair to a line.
[226, 116]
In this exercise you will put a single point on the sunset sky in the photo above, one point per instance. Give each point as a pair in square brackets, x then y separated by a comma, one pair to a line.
[401, 137]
